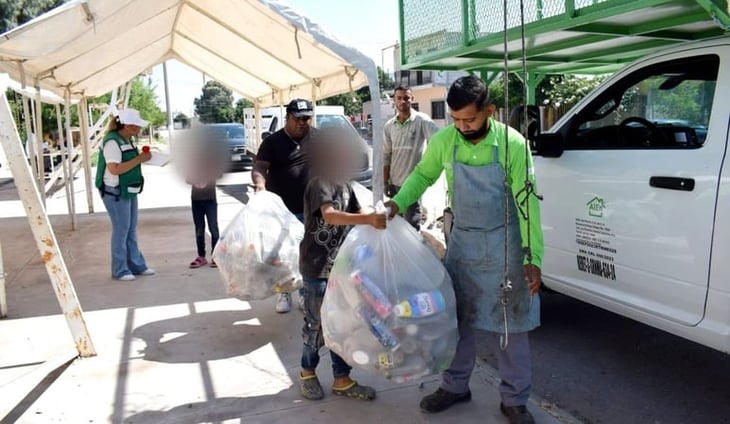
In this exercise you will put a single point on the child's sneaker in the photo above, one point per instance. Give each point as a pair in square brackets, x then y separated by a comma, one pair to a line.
[355, 391]
[310, 388]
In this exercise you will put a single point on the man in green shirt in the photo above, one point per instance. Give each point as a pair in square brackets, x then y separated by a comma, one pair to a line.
[495, 247]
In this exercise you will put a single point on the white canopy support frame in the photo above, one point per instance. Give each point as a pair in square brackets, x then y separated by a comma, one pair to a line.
[65, 168]
[86, 149]
[262, 49]
[40, 151]
[3, 293]
[71, 154]
[42, 231]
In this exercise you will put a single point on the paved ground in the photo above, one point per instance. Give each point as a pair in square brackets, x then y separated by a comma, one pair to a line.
[604, 368]
[172, 348]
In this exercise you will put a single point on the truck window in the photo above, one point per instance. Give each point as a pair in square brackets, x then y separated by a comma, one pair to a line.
[662, 106]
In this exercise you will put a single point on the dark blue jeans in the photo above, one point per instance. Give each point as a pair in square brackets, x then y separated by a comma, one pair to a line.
[313, 292]
[202, 210]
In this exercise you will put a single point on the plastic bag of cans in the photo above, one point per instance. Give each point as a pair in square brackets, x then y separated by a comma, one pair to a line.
[258, 252]
[389, 306]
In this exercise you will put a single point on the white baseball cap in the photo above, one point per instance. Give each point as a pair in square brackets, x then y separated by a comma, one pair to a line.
[131, 117]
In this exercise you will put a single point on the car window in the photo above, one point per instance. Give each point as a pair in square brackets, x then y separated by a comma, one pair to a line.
[228, 131]
[336, 122]
[664, 106]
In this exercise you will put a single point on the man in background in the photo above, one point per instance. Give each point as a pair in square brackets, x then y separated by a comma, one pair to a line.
[405, 138]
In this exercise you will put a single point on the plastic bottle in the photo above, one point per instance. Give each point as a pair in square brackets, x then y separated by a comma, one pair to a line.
[389, 360]
[377, 326]
[360, 254]
[412, 369]
[372, 294]
[421, 305]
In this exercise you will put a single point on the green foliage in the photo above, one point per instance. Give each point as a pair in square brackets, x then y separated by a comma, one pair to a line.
[352, 102]
[143, 98]
[241, 104]
[565, 91]
[215, 104]
[183, 119]
[17, 12]
[496, 91]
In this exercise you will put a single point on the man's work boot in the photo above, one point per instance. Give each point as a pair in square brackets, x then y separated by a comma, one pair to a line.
[517, 414]
[441, 400]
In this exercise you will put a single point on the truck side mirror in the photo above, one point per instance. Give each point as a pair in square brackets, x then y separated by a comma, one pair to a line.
[549, 145]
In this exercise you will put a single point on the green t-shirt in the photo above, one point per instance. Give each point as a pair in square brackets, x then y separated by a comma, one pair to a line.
[439, 156]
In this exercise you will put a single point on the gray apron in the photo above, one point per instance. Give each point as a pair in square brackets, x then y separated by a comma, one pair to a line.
[475, 257]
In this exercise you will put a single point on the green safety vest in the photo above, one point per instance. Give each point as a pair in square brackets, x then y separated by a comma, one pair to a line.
[132, 181]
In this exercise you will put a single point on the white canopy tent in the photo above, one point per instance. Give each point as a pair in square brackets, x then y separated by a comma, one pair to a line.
[262, 49]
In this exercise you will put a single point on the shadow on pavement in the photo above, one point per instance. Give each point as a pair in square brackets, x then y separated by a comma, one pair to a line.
[237, 191]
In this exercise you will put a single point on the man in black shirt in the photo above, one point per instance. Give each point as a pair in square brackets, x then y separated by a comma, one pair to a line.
[281, 166]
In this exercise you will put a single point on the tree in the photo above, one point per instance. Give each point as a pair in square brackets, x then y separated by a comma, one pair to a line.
[215, 104]
[241, 104]
[13, 14]
[352, 101]
[18, 12]
[143, 98]
[182, 118]
[566, 90]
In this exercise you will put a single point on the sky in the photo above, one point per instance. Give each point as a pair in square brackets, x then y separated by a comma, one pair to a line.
[370, 26]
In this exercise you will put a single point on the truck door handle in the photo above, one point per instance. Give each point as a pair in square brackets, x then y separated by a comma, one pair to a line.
[673, 183]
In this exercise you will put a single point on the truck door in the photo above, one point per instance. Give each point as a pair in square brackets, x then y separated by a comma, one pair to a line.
[629, 206]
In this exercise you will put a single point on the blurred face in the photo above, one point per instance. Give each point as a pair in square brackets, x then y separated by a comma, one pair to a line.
[471, 122]
[129, 130]
[403, 100]
[333, 155]
[297, 127]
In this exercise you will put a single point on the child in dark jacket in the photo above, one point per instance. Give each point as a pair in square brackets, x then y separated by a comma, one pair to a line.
[330, 207]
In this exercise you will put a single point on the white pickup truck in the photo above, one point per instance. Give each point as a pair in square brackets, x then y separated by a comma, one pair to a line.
[636, 186]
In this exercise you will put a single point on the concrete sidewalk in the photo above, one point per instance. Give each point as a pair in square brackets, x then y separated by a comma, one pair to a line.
[172, 348]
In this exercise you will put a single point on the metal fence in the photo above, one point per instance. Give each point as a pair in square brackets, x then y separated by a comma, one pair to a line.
[431, 27]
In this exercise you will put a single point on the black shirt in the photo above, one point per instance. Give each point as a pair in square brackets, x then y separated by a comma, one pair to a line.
[322, 241]
[200, 192]
[287, 175]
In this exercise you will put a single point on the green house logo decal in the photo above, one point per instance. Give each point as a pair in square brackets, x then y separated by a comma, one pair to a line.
[596, 207]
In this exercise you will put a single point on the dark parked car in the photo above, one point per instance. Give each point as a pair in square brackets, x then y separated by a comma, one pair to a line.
[234, 135]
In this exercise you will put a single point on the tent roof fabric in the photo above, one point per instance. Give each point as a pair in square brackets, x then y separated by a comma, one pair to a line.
[261, 49]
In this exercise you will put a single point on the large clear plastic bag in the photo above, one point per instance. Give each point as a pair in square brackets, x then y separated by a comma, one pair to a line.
[389, 306]
[258, 252]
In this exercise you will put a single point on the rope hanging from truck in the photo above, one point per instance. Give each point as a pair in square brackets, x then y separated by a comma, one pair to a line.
[522, 197]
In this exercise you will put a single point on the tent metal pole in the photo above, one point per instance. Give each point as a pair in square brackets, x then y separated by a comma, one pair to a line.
[39, 143]
[374, 87]
[127, 93]
[170, 124]
[3, 296]
[64, 159]
[314, 104]
[257, 126]
[42, 230]
[71, 153]
[29, 145]
[86, 146]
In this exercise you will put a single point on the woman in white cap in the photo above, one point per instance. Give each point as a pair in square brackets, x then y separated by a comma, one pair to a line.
[119, 180]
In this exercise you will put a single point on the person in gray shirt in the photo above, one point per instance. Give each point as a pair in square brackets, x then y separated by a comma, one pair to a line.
[404, 141]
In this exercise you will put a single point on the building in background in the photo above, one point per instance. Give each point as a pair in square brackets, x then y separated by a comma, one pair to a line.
[429, 88]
